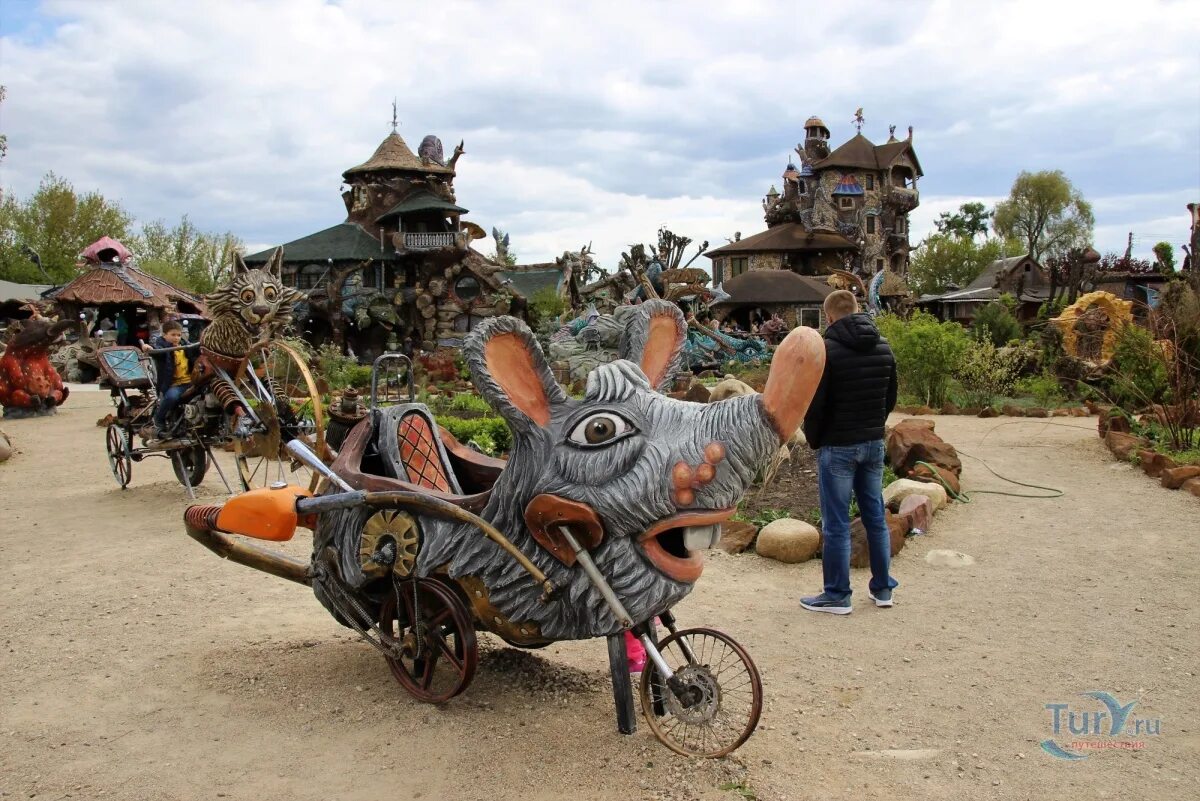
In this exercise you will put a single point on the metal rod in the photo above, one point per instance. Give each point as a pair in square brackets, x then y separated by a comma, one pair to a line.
[304, 453]
[177, 460]
[593, 573]
[213, 458]
[329, 503]
[656, 656]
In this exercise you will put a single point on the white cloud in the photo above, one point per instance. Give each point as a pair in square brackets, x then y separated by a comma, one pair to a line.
[596, 122]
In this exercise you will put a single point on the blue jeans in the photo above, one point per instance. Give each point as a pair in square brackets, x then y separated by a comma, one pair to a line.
[168, 401]
[840, 470]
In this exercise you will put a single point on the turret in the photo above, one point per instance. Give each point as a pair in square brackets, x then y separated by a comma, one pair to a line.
[816, 139]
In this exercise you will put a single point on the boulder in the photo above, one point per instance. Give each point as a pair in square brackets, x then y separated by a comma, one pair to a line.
[860, 556]
[919, 511]
[1036, 411]
[1124, 445]
[1154, 463]
[939, 557]
[730, 388]
[1060, 412]
[787, 540]
[737, 535]
[924, 410]
[1192, 485]
[6, 447]
[912, 441]
[697, 393]
[973, 411]
[988, 411]
[901, 488]
[950, 408]
[1079, 411]
[1173, 477]
[937, 475]
[1012, 411]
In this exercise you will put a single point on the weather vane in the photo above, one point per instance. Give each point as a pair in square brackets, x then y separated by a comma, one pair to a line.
[858, 119]
[395, 122]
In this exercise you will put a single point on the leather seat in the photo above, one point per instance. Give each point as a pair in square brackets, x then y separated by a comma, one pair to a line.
[412, 451]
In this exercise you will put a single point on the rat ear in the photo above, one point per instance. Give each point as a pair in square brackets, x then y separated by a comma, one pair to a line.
[654, 338]
[509, 370]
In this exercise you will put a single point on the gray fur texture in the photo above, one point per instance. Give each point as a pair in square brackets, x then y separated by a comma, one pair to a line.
[627, 481]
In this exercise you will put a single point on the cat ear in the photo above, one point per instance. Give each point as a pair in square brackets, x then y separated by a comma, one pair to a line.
[509, 370]
[653, 338]
[275, 263]
[239, 266]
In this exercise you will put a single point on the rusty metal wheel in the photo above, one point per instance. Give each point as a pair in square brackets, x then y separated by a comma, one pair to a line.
[712, 703]
[283, 392]
[116, 442]
[433, 637]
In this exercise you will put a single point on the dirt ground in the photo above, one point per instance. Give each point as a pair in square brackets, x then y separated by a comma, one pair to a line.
[137, 665]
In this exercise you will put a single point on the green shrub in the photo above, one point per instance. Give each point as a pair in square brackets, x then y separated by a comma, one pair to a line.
[494, 428]
[927, 352]
[1138, 373]
[545, 304]
[469, 402]
[986, 372]
[1044, 389]
[995, 323]
[338, 369]
[770, 516]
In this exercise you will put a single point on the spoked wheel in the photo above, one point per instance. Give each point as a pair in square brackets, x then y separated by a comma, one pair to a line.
[434, 638]
[191, 463]
[116, 442]
[284, 396]
[716, 699]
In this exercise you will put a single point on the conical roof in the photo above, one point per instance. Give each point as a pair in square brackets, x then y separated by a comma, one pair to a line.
[394, 154]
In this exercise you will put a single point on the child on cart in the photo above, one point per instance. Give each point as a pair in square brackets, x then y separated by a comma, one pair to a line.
[174, 373]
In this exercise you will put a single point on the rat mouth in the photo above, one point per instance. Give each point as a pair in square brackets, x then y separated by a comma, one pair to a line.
[674, 544]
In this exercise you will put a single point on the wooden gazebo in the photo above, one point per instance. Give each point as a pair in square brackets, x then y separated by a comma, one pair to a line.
[123, 292]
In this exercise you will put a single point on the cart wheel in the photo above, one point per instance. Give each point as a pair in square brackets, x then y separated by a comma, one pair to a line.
[116, 442]
[280, 387]
[194, 461]
[437, 658]
[717, 699]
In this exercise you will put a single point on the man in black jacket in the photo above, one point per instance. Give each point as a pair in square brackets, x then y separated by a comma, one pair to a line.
[845, 423]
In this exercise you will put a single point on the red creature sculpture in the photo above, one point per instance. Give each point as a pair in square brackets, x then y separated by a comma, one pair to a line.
[29, 385]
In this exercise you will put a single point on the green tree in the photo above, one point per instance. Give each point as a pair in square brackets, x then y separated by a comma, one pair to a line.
[1045, 212]
[3, 137]
[1166, 256]
[970, 221]
[945, 259]
[57, 223]
[184, 255]
[995, 322]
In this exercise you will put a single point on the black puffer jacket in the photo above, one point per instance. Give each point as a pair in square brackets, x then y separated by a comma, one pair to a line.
[858, 388]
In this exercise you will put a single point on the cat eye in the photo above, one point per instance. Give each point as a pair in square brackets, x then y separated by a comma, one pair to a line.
[247, 296]
[269, 292]
[600, 429]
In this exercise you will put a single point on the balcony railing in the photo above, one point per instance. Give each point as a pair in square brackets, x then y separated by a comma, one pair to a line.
[428, 241]
[904, 197]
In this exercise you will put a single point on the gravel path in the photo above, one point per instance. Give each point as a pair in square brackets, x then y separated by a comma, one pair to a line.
[136, 665]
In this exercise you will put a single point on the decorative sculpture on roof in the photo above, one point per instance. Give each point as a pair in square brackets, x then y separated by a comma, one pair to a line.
[430, 151]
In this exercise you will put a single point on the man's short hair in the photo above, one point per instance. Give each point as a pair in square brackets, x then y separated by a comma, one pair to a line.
[839, 303]
[171, 325]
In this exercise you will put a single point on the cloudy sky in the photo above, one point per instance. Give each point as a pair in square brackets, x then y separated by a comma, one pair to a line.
[597, 121]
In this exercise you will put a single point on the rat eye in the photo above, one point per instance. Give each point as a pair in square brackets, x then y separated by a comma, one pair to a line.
[599, 429]
[247, 296]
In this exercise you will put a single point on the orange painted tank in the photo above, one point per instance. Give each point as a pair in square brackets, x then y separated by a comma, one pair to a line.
[265, 514]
